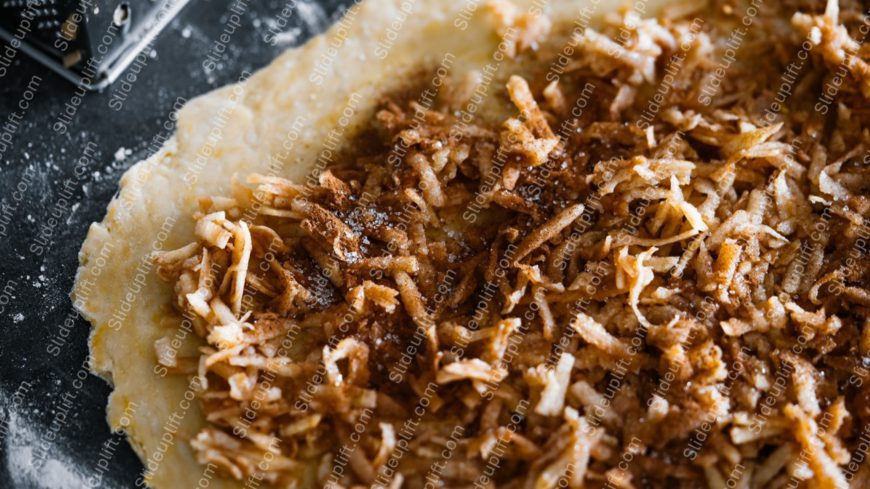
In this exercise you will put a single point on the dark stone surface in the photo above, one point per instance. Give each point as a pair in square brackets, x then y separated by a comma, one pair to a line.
[49, 408]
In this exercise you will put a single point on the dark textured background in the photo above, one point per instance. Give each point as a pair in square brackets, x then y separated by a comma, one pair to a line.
[34, 283]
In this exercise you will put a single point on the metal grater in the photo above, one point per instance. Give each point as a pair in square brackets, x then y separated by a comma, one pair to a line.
[89, 42]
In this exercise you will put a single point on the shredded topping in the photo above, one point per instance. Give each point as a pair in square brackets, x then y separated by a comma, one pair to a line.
[653, 273]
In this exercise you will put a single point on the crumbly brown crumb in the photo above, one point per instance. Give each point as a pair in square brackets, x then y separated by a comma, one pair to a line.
[667, 288]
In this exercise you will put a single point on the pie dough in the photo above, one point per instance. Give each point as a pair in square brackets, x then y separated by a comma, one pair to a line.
[283, 114]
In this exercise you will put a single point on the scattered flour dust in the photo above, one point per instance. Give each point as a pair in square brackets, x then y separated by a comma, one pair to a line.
[57, 471]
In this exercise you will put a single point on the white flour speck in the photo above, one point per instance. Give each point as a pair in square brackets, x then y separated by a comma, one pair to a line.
[289, 36]
[313, 15]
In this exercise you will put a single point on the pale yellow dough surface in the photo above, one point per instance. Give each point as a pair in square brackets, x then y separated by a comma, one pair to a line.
[238, 130]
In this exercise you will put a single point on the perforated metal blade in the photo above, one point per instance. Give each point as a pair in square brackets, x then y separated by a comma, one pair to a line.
[89, 42]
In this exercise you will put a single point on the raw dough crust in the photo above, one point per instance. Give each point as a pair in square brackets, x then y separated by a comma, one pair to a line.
[236, 130]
